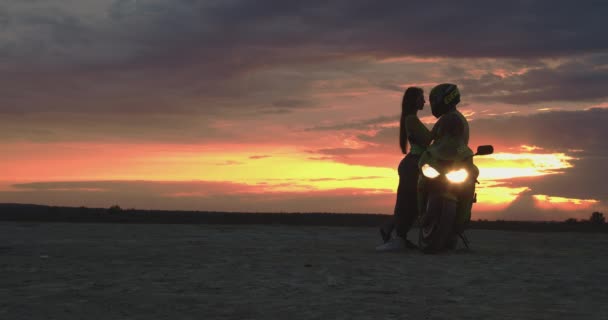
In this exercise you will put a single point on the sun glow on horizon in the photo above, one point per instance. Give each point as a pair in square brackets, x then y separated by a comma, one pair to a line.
[517, 165]
[560, 203]
[493, 196]
[272, 170]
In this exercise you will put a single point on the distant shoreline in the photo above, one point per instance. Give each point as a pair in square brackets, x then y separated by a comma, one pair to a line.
[43, 213]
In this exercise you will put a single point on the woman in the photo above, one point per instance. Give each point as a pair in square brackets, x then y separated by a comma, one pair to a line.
[413, 131]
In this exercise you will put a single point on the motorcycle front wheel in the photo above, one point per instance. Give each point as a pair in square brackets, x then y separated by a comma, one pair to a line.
[437, 224]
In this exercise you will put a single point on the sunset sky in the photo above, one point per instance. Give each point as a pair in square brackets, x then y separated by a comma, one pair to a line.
[293, 106]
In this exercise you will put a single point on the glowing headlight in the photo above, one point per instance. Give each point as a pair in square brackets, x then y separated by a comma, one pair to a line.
[429, 171]
[457, 176]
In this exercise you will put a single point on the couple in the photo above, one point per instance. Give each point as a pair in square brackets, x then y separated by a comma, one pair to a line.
[448, 136]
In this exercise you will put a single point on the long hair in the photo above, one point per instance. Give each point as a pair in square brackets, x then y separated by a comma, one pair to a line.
[408, 106]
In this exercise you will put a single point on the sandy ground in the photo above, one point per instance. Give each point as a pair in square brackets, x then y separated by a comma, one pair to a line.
[120, 271]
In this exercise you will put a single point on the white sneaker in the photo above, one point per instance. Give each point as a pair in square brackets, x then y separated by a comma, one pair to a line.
[394, 244]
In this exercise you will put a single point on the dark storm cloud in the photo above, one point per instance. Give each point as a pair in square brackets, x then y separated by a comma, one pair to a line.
[235, 30]
[184, 56]
[553, 130]
[576, 80]
[440, 28]
[228, 35]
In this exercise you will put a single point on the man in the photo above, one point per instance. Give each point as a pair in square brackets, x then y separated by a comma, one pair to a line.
[451, 132]
[450, 139]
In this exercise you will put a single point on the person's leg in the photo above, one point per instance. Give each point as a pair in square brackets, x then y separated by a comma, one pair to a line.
[386, 229]
[406, 207]
[400, 214]
[407, 215]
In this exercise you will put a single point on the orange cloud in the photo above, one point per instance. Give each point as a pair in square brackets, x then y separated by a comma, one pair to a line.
[530, 148]
[546, 202]
[493, 196]
[514, 165]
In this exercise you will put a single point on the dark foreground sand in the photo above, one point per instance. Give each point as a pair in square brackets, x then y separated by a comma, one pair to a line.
[121, 271]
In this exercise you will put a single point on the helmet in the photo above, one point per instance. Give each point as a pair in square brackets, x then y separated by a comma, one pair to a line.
[443, 97]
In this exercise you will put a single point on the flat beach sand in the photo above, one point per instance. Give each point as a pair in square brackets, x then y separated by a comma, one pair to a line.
[145, 271]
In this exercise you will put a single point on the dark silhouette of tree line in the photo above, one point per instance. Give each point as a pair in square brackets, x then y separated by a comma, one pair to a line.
[596, 219]
[116, 214]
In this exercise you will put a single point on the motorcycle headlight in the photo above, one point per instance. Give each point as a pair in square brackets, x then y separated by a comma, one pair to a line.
[457, 176]
[429, 171]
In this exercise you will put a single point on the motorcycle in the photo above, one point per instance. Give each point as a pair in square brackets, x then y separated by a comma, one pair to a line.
[446, 193]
